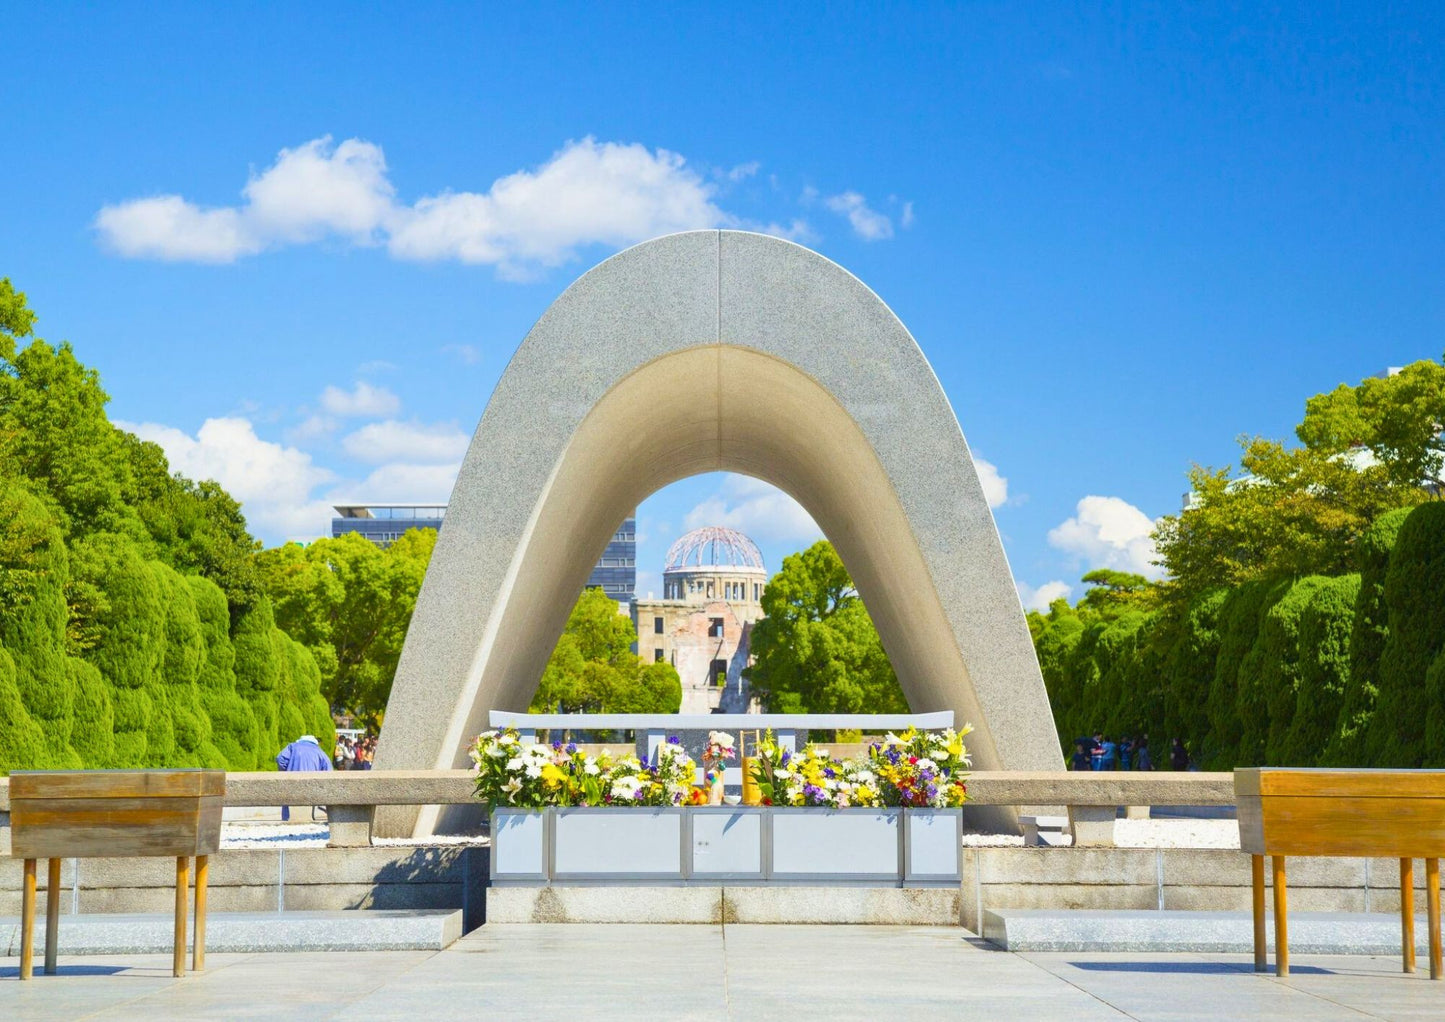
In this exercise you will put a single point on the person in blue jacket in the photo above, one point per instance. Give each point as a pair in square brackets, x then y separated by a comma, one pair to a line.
[304, 753]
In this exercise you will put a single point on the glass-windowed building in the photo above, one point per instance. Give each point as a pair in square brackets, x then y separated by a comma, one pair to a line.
[384, 524]
[615, 573]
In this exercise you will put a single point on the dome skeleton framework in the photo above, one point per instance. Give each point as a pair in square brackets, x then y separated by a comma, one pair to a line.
[714, 547]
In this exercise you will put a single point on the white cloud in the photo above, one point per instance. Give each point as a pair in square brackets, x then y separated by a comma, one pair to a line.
[1040, 598]
[868, 223]
[586, 193]
[273, 482]
[401, 483]
[170, 228]
[410, 442]
[995, 486]
[362, 401]
[466, 354]
[315, 190]
[758, 509]
[589, 192]
[797, 229]
[375, 366]
[312, 429]
[1107, 532]
[907, 218]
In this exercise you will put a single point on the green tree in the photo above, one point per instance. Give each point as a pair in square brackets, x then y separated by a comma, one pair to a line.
[1408, 727]
[592, 669]
[817, 650]
[1366, 450]
[349, 602]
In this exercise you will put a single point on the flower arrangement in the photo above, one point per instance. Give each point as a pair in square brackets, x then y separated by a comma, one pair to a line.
[922, 768]
[917, 769]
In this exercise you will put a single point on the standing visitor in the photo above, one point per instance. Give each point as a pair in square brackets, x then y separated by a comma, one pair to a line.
[1108, 754]
[302, 754]
[1142, 759]
[1178, 755]
[1096, 752]
[1080, 759]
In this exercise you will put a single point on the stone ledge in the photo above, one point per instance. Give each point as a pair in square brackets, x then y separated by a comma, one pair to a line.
[884, 906]
[1332, 933]
[421, 930]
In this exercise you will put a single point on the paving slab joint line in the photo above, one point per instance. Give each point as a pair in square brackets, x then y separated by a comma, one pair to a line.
[1064, 979]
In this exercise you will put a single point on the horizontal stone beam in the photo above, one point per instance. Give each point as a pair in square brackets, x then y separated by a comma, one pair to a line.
[989, 788]
[1104, 788]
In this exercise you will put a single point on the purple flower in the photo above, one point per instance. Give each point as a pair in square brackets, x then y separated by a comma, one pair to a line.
[673, 740]
[829, 772]
[571, 748]
[556, 746]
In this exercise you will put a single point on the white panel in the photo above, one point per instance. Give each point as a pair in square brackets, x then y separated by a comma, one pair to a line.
[933, 844]
[517, 844]
[825, 842]
[727, 843]
[624, 841]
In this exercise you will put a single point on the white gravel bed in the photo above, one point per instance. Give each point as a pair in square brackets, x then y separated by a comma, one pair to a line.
[236, 834]
[1176, 833]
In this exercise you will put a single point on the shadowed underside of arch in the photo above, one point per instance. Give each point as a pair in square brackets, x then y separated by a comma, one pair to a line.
[699, 352]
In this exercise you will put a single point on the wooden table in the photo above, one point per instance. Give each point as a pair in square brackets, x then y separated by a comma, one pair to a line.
[1388, 813]
[58, 814]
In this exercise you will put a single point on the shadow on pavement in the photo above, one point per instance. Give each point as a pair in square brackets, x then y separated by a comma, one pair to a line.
[1199, 968]
[11, 972]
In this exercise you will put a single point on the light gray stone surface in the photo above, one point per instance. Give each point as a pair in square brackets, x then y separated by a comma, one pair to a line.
[1333, 933]
[716, 350]
[409, 930]
[1092, 826]
[773, 904]
[733, 972]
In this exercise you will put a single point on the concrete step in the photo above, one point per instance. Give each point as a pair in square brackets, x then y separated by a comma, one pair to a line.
[1332, 933]
[353, 930]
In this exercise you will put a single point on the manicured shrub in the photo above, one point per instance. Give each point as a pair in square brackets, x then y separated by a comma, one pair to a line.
[233, 726]
[1190, 667]
[1325, 627]
[1239, 616]
[93, 734]
[1408, 726]
[1278, 664]
[258, 676]
[22, 742]
[1350, 746]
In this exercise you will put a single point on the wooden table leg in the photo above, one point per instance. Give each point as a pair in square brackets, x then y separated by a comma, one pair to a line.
[1261, 952]
[1281, 923]
[183, 881]
[52, 915]
[1432, 904]
[27, 921]
[1407, 913]
[198, 954]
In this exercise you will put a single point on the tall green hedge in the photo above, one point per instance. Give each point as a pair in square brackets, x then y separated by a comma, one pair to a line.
[1324, 638]
[1408, 727]
[1342, 670]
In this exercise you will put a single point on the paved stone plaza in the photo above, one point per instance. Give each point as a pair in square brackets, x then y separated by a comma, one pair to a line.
[709, 972]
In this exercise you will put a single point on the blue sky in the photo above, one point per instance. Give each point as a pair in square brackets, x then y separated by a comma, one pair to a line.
[301, 243]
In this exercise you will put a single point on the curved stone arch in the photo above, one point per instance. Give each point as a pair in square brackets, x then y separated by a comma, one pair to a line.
[698, 352]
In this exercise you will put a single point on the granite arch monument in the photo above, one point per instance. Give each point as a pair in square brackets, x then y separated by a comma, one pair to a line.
[696, 352]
